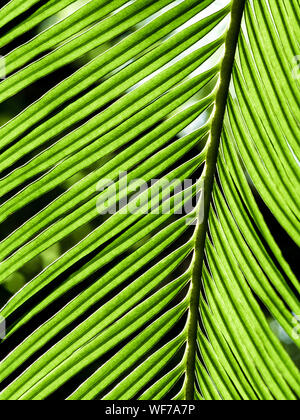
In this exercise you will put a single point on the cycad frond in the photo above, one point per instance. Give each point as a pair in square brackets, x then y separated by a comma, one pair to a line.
[150, 303]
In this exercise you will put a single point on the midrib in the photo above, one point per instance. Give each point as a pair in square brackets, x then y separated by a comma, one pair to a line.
[231, 43]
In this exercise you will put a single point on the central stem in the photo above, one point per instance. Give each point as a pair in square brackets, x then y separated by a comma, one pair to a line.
[231, 43]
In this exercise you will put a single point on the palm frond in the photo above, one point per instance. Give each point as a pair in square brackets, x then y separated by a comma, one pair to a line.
[151, 304]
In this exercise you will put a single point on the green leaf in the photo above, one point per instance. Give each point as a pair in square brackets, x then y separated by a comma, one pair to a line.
[158, 153]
